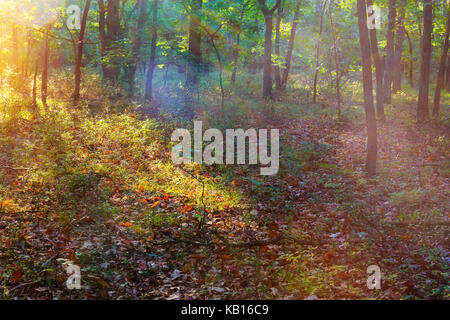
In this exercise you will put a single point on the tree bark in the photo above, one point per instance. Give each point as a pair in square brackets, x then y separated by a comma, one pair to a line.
[267, 77]
[441, 73]
[44, 79]
[76, 95]
[143, 15]
[411, 58]
[15, 44]
[195, 41]
[109, 31]
[336, 57]
[424, 80]
[151, 64]
[378, 71]
[291, 47]
[316, 71]
[371, 160]
[238, 42]
[400, 35]
[390, 55]
[448, 74]
[276, 69]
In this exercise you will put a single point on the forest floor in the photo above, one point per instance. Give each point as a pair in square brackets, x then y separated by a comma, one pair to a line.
[101, 192]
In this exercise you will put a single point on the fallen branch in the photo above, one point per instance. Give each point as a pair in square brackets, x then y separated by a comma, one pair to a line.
[418, 223]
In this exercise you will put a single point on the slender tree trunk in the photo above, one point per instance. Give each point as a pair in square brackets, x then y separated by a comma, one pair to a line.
[336, 56]
[267, 77]
[268, 16]
[378, 71]
[44, 80]
[441, 73]
[390, 55]
[236, 57]
[238, 42]
[411, 58]
[36, 68]
[151, 64]
[425, 64]
[276, 69]
[109, 31]
[113, 25]
[371, 161]
[27, 57]
[76, 95]
[15, 43]
[143, 15]
[448, 74]
[316, 71]
[195, 52]
[397, 76]
[291, 47]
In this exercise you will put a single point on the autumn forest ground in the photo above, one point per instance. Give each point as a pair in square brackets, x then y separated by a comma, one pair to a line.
[95, 185]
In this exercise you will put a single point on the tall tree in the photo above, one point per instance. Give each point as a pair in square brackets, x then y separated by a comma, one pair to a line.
[268, 17]
[371, 161]
[109, 31]
[137, 43]
[425, 64]
[195, 41]
[400, 34]
[79, 58]
[411, 58]
[390, 59]
[151, 64]
[441, 72]
[238, 42]
[378, 70]
[336, 56]
[447, 80]
[291, 46]
[276, 69]
[45, 56]
[316, 70]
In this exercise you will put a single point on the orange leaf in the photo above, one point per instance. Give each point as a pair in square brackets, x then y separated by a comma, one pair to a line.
[126, 224]
[155, 204]
[16, 275]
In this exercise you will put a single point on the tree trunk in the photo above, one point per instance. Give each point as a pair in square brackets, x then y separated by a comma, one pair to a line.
[44, 79]
[15, 44]
[400, 35]
[390, 55]
[267, 77]
[151, 64]
[276, 69]
[235, 57]
[411, 58]
[371, 161]
[76, 95]
[236, 49]
[195, 41]
[27, 57]
[291, 47]
[336, 57]
[448, 74]
[36, 68]
[378, 71]
[137, 44]
[441, 73]
[109, 31]
[425, 64]
[316, 71]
